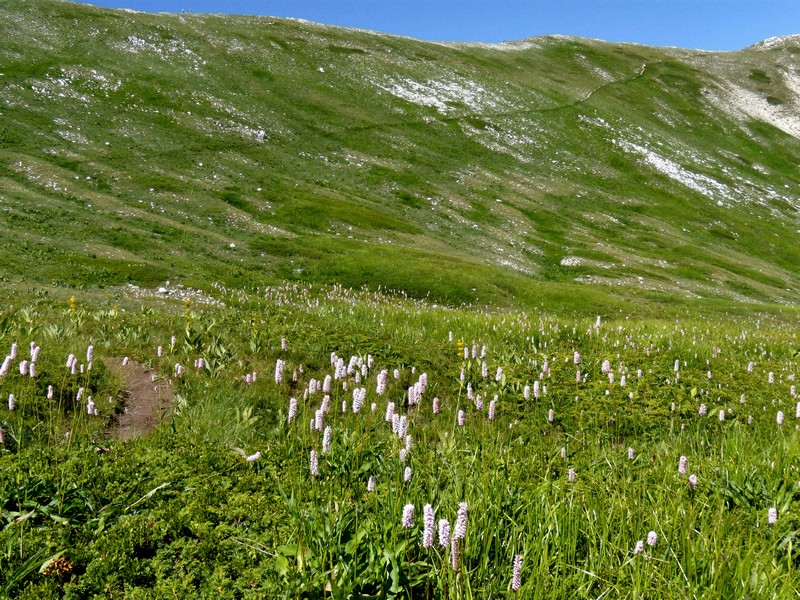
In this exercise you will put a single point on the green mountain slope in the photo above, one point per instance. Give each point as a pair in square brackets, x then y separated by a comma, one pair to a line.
[139, 148]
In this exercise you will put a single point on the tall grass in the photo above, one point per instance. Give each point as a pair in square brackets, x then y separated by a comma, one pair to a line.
[562, 493]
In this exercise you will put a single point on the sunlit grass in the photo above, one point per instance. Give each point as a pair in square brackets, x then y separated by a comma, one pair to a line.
[565, 493]
[130, 152]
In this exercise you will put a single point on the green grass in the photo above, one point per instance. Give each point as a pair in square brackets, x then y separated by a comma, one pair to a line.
[374, 225]
[106, 124]
[181, 513]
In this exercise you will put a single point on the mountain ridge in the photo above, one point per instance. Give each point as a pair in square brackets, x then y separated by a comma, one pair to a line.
[247, 149]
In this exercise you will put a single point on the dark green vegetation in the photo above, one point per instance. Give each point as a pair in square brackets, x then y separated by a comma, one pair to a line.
[130, 152]
[183, 514]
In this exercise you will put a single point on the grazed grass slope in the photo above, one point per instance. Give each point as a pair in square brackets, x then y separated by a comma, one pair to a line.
[130, 151]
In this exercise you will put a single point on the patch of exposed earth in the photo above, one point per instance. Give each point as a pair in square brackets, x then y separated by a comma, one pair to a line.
[147, 398]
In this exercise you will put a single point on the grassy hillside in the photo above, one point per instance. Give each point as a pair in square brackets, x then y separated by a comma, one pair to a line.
[138, 148]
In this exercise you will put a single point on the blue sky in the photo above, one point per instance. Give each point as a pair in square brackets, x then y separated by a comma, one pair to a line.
[704, 24]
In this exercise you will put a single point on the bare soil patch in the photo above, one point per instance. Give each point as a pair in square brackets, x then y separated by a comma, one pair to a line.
[146, 400]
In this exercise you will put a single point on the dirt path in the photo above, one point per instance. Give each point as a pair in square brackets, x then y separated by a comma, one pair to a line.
[145, 400]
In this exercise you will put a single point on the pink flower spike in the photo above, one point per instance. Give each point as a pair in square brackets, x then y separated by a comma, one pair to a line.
[408, 516]
[444, 532]
[454, 554]
[428, 524]
[516, 576]
[327, 439]
[461, 521]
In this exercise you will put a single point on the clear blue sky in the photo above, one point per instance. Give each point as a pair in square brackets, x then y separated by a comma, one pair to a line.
[704, 24]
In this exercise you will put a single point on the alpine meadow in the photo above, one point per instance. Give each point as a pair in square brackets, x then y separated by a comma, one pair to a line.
[291, 311]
